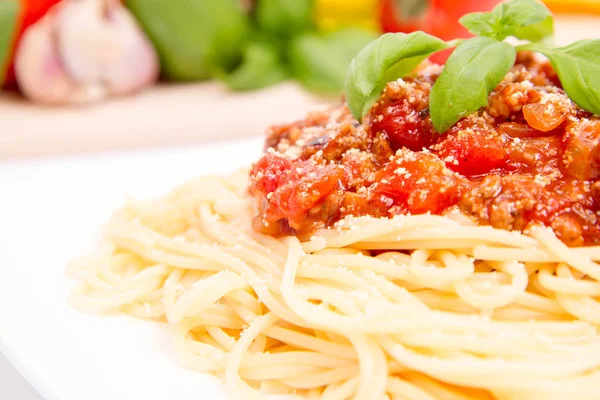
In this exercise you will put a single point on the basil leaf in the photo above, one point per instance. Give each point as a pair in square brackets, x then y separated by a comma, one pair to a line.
[8, 19]
[516, 14]
[471, 73]
[194, 39]
[536, 32]
[578, 68]
[320, 61]
[509, 19]
[390, 57]
[480, 24]
[261, 67]
[285, 18]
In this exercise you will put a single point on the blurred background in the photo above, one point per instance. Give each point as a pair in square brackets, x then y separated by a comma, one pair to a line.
[88, 75]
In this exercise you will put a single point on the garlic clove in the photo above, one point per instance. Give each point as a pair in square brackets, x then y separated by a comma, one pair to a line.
[80, 40]
[82, 51]
[138, 66]
[137, 62]
[39, 68]
[100, 41]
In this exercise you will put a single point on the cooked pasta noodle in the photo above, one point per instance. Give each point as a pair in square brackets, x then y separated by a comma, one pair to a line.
[412, 307]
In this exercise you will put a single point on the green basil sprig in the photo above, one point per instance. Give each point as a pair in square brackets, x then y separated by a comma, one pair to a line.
[477, 65]
[578, 68]
[517, 18]
[474, 70]
[391, 56]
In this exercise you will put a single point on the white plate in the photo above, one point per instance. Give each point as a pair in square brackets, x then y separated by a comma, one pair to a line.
[51, 211]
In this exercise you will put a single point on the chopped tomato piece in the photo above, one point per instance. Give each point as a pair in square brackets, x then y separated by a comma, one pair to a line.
[535, 154]
[269, 173]
[517, 130]
[404, 125]
[297, 196]
[472, 152]
[417, 183]
[543, 117]
[581, 154]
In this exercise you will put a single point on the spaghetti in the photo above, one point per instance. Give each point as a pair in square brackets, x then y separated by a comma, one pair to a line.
[382, 259]
[408, 307]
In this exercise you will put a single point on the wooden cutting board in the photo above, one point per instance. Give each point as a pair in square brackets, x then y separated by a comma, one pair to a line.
[165, 114]
[174, 114]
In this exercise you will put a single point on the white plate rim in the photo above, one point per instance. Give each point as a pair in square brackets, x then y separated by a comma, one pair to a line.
[39, 379]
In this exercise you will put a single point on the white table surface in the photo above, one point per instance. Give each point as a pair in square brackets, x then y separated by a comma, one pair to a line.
[12, 385]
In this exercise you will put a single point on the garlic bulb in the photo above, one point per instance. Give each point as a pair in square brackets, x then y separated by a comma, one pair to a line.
[83, 51]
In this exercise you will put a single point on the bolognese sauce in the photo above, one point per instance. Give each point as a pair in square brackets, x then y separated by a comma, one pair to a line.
[531, 156]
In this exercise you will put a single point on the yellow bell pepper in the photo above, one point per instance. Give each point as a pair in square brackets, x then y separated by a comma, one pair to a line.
[334, 14]
[574, 6]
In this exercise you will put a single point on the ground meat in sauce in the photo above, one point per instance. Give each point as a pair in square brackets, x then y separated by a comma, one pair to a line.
[531, 156]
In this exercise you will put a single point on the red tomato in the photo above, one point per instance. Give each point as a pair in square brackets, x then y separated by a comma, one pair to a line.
[292, 187]
[417, 183]
[436, 17]
[473, 153]
[31, 12]
[403, 125]
[295, 198]
[270, 172]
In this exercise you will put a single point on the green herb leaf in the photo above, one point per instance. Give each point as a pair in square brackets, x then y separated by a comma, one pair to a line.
[260, 67]
[9, 10]
[510, 19]
[578, 68]
[194, 39]
[320, 61]
[537, 32]
[480, 24]
[391, 56]
[471, 73]
[284, 18]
